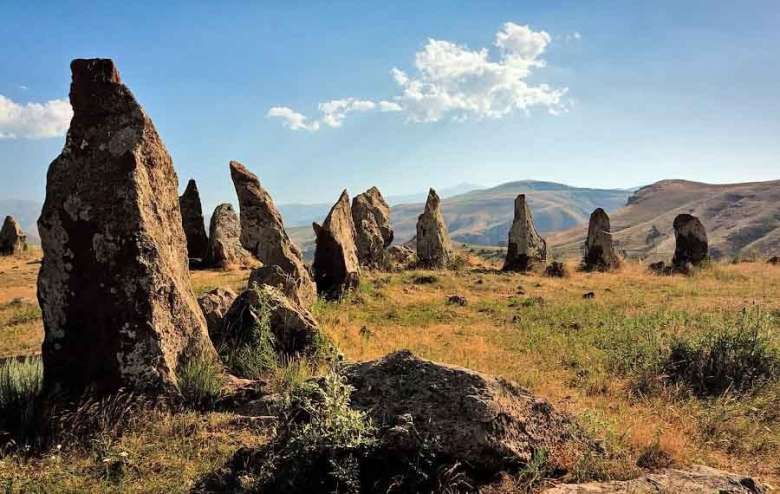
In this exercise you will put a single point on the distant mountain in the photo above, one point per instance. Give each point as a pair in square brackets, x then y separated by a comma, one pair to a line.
[739, 218]
[26, 214]
[303, 214]
[484, 216]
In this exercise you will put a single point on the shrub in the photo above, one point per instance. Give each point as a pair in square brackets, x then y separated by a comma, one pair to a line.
[736, 359]
[248, 350]
[200, 381]
[20, 384]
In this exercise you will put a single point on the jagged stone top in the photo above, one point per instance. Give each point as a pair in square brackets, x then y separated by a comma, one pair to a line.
[433, 201]
[338, 212]
[246, 179]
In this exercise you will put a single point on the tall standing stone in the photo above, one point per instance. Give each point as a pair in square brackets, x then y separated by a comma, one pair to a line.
[599, 251]
[192, 220]
[114, 288]
[13, 241]
[263, 233]
[526, 249]
[433, 242]
[691, 241]
[225, 250]
[336, 268]
[371, 216]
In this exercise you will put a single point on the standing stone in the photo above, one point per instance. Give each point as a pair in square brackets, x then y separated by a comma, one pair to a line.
[13, 241]
[526, 249]
[433, 241]
[215, 304]
[263, 233]
[371, 216]
[336, 267]
[114, 288]
[225, 250]
[192, 220]
[691, 241]
[599, 251]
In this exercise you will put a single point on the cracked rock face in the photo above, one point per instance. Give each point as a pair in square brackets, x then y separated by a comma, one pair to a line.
[371, 216]
[691, 241]
[114, 286]
[434, 249]
[192, 221]
[263, 233]
[336, 268]
[225, 250]
[215, 304]
[526, 249]
[599, 251]
[13, 241]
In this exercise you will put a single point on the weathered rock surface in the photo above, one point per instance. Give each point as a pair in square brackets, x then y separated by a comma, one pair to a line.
[399, 258]
[599, 252]
[526, 249]
[489, 424]
[225, 250]
[336, 268]
[371, 216]
[13, 241]
[192, 220]
[274, 276]
[434, 249]
[263, 233]
[691, 241]
[114, 287]
[697, 480]
[215, 304]
[294, 328]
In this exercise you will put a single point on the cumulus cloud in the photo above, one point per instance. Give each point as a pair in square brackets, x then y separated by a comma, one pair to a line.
[292, 119]
[34, 120]
[452, 81]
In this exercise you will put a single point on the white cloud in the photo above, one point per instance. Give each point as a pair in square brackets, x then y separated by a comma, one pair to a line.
[292, 119]
[34, 120]
[453, 81]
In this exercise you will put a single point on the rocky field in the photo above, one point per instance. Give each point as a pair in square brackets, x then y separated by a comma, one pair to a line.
[599, 358]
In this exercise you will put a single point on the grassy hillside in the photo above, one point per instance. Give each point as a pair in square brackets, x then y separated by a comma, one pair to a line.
[741, 219]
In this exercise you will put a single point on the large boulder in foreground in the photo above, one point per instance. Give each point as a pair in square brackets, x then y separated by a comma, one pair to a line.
[13, 241]
[225, 250]
[263, 233]
[697, 480]
[114, 286]
[434, 249]
[599, 251]
[526, 249]
[192, 221]
[215, 304]
[274, 276]
[293, 327]
[371, 216]
[691, 242]
[336, 268]
[489, 424]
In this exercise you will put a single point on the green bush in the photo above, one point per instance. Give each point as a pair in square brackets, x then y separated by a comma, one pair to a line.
[734, 359]
[248, 350]
[200, 381]
[20, 384]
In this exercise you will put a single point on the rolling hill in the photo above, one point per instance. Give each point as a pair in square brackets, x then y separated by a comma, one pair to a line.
[741, 219]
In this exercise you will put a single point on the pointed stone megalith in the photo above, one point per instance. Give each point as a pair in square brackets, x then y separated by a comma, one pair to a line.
[114, 288]
[263, 233]
[371, 216]
[336, 268]
[225, 250]
[13, 241]
[434, 249]
[526, 249]
[192, 220]
[599, 252]
[691, 241]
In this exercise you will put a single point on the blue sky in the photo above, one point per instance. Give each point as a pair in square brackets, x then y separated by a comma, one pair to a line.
[653, 90]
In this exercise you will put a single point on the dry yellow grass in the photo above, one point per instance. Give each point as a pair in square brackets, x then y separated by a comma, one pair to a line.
[534, 330]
